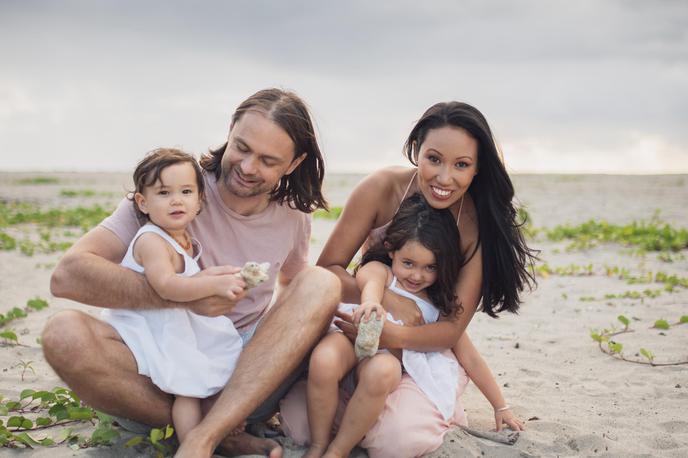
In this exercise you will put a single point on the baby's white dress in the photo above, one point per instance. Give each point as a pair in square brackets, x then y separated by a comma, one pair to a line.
[183, 353]
[435, 373]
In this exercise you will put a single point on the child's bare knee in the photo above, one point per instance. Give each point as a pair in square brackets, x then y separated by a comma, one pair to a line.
[325, 363]
[382, 373]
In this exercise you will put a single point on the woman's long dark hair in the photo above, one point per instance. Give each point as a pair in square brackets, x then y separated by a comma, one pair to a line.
[436, 230]
[301, 189]
[507, 260]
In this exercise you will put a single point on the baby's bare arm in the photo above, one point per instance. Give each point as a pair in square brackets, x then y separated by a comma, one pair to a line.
[157, 258]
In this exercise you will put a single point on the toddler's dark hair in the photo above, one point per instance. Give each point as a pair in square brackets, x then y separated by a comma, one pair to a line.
[436, 230]
[148, 171]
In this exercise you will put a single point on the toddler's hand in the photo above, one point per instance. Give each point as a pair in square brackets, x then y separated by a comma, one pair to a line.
[364, 310]
[507, 417]
[230, 286]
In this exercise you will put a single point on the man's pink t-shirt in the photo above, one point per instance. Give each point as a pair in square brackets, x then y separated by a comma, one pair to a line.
[279, 235]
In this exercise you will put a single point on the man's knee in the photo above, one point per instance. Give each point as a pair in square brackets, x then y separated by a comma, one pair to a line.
[320, 281]
[63, 336]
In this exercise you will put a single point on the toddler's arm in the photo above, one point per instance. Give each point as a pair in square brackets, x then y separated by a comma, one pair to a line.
[477, 370]
[157, 259]
[371, 279]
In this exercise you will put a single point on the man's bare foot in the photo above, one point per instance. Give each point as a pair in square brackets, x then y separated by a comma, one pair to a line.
[246, 444]
[235, 444]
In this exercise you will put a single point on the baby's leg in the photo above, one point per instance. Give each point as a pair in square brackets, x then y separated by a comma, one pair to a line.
[377, 378]
[331, 360]
[186, 414]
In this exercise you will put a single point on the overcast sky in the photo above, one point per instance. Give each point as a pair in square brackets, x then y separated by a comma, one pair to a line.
[568, 86]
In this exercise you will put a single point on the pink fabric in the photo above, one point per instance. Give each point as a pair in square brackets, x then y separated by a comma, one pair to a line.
[410, 425]
[278, 235]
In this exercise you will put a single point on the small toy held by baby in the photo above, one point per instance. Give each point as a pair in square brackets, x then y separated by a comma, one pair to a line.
[254, 273]
[368, 338]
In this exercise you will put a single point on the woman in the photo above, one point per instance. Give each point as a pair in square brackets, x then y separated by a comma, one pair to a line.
[457, 166]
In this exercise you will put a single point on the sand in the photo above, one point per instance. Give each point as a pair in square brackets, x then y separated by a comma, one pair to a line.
[576, 400]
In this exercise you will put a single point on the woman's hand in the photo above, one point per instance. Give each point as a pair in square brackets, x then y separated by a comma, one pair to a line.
[364, 311]
[507, 417]
[403, 308]
[346, 324]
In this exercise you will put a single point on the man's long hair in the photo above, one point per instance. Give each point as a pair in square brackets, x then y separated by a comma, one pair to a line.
[301, 189]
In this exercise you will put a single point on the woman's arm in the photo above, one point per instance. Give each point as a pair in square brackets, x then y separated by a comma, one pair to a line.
[480, 373]
[157, 259]
[358, 218]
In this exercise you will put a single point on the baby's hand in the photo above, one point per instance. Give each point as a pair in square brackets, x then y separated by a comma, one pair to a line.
[364, 310]
[230, 286]
[507, 417]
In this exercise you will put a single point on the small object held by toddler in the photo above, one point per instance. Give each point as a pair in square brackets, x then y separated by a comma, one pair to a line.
[368, 337]
[254, 273]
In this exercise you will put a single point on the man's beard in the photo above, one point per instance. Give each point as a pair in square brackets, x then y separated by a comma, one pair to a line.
[228, 178]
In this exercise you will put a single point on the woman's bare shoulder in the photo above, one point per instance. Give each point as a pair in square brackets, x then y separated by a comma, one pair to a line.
[388, 178]
[384, 184]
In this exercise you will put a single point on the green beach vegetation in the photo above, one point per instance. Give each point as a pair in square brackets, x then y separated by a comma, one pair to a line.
[32, 229]
[38, 180]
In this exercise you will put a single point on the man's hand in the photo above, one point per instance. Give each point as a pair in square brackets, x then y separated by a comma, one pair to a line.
[402, 308]
[218, 270]
[212, 306]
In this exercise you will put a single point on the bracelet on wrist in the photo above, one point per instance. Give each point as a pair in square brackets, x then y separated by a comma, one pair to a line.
[502, 409]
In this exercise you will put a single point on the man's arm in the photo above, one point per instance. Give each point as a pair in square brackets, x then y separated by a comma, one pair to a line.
[90, 273]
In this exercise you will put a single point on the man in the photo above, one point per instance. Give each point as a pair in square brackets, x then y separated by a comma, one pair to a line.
[260, 185]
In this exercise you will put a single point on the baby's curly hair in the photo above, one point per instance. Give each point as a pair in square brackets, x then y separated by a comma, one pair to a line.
[148, 171]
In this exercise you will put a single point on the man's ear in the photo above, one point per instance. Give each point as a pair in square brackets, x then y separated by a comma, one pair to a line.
[141, 203]
[295, 163]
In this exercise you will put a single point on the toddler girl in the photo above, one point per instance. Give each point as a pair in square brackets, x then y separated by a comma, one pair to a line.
[417, 259]
[185, 354]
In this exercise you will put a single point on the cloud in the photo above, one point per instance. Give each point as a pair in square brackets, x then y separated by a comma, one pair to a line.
[94, 85]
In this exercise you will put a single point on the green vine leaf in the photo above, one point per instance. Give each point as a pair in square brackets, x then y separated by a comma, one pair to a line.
[10, 337]
[623, 320]
[684, 319]
[647, 354]
[661, 324]
[37, 304]
[615, 347]
[134, 441]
